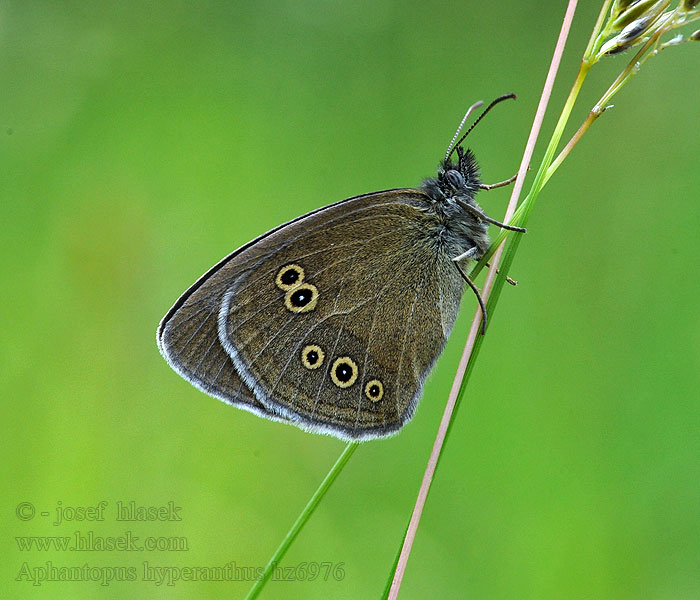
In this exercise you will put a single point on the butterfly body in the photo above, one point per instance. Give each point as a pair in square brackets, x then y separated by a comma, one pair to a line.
[455, 185]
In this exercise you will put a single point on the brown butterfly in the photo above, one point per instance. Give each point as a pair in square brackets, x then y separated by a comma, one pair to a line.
[332, 321]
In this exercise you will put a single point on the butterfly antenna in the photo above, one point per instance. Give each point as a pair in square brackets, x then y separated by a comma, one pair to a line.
[481, 116]
[451, 148]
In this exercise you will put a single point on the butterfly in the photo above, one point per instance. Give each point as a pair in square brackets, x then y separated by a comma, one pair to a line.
[332, 321]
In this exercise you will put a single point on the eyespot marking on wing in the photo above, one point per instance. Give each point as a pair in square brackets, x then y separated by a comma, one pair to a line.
[374, 390]
[289, 277]
[312, 356]
[344, 372]
[301, 298]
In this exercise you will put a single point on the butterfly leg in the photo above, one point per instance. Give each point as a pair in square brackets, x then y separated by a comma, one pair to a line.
[476, 212]
[493, 186]
[472, 253]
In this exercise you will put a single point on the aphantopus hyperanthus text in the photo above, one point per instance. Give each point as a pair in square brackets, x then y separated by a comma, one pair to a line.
[332, 321]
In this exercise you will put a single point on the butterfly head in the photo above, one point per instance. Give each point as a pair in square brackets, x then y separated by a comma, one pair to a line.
[455, 180]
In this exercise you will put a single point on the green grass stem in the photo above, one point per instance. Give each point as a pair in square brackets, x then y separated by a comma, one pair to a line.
[302, 519]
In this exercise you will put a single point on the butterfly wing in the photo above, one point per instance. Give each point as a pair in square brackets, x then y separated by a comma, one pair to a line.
[334, 320]
[187, 336]
[188, 340]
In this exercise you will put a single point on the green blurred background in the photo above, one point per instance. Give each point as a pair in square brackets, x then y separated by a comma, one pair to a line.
[141, 142]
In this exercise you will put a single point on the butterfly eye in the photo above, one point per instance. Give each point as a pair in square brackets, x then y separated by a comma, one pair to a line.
[454, 178]
[312, 356]
[301, 298]
[289, 277]
[344, 372]
[374, 390]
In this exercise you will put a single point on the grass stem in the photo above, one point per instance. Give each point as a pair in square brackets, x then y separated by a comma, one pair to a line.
[302, 519]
